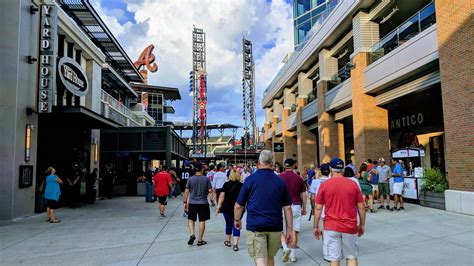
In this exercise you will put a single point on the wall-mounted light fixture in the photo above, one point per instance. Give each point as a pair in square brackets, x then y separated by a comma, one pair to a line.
[28, 142]
[95, 145]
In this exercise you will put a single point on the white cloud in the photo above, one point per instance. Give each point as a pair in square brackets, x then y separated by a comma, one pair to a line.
[168, 25]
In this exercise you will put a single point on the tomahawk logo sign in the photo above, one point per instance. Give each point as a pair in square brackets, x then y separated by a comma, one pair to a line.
[47, 58]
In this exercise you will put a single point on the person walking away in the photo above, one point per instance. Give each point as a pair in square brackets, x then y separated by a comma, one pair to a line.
[366, 187]
[196, 204]
[51, 194]
[218, 181]
[311, 174]
[397, 185]
[264, 194]
[297, 189]
[383, 171]
[246, 173]
[174, 181]
[313, 189]
[225, 205]
[163, 183]
[349, 164]
[349, 174]
[210, 176]
[340, 197]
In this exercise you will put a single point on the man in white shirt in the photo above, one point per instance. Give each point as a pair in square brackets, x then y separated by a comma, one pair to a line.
[210, 176]
[218, 181]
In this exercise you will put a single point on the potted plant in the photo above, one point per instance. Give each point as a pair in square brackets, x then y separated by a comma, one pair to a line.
[432, 191]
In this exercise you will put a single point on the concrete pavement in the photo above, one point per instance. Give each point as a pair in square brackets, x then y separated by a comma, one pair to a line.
[128, 231]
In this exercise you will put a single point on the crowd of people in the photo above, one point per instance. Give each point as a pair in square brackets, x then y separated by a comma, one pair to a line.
[274, 198]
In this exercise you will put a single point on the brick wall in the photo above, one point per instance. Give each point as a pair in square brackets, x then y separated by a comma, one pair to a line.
[305, 140]
[455, 28]
[289, 142]
[331, 134]
[370, 122]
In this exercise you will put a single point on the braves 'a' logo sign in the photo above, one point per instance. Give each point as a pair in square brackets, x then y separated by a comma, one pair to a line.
[147, 58]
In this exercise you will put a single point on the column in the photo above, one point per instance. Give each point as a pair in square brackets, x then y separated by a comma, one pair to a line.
[371, 139]
[305, 140]
[331, 133]
[277, 110]
[454, 28]
[288, 141]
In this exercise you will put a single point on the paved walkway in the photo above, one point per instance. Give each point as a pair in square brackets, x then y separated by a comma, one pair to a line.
[127, 231]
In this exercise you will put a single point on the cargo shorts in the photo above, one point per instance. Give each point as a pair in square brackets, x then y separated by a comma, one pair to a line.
[337, 245]
[263, 244]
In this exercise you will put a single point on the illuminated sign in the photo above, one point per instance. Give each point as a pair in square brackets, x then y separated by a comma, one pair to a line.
[47, 58]
[73, 76]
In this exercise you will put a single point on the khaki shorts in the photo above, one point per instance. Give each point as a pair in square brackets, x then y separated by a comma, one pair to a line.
[263, 244]
[375, 187]
[338, 245]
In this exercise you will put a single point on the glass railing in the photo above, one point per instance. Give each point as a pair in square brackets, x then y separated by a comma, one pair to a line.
[119, 107]
[409, 29]
[331, 5]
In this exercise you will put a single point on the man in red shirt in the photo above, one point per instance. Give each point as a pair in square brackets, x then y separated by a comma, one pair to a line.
[297, 189]
[340, 196]
[163, 183]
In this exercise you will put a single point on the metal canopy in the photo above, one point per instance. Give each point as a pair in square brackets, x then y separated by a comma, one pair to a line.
[169, 92]
[82, 12]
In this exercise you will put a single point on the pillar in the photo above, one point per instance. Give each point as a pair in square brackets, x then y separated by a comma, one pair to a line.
[454, 26]
[371, 139]
[331, 133]
[277, 156]
[267, 131]
[289, 143]
[305, 140]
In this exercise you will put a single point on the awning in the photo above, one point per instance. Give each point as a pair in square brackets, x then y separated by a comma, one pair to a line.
[169, 109]
[112, 80]
[168, 92]
[75, 117]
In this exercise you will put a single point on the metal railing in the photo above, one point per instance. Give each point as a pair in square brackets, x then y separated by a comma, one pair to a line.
[419, 22]
[331, 5]
[119, 107]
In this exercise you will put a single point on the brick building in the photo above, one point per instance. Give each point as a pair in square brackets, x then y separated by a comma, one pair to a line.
[368, 78]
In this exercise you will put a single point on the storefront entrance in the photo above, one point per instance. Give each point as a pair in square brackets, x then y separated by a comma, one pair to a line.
[416, 121]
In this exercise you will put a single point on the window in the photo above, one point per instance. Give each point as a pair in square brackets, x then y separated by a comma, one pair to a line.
[301, 7]
[303, 29]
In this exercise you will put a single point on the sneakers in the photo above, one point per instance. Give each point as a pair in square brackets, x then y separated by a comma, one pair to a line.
[162, 216]
[292, 258]
[286, 255]
[191, 239]
[401, 209]
[381, 207]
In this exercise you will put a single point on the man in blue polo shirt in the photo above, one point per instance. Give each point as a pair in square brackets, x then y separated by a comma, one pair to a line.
[265, 194]
[397, 175]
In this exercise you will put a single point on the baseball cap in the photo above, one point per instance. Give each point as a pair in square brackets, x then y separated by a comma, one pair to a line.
[186, 163]
[289, 163]
[324, 167]
[336, 163]
[381, 160]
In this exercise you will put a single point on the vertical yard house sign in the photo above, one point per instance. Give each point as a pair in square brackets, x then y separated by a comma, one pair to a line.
[47, 58]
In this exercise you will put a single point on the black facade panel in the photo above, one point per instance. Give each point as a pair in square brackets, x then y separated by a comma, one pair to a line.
[130, 141]
[108, 142]
[154, 141]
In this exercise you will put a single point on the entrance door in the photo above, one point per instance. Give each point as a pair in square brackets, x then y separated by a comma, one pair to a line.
[437, 152]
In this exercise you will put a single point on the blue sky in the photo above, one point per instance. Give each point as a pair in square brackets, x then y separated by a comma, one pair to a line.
[167, 24]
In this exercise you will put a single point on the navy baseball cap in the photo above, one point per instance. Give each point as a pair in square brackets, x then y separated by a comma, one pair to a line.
[289, 162]
[324, 167]
[187, 163]
[336, 163]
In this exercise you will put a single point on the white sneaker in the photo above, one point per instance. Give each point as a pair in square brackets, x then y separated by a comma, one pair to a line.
[293, 259]
[286, 255]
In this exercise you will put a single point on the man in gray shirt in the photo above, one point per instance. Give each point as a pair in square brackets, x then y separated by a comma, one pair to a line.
[198, 188]
[383, 171]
